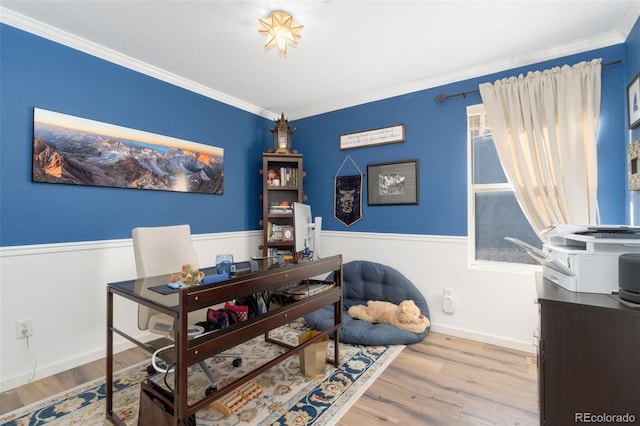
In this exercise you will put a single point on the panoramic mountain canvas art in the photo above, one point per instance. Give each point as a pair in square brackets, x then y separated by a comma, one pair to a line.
[78, 151]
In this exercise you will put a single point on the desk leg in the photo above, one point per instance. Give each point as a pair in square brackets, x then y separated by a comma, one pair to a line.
[337, 315]
[109, 373]
[180, 372]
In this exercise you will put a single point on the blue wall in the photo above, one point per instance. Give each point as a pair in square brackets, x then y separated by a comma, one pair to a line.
[436, 136]
[632, 65]
[36, 72]
[632, 68]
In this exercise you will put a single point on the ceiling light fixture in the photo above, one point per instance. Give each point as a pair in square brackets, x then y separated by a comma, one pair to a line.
[280, 30]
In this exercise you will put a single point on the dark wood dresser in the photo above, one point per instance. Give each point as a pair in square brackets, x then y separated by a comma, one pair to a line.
[588, 358]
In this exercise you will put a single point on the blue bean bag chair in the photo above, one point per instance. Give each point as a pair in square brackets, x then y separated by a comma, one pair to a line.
[363, 281]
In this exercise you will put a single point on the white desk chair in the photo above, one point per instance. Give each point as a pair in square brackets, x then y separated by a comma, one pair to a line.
[163, 250]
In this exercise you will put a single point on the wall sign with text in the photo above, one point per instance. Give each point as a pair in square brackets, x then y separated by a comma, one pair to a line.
[384, 135]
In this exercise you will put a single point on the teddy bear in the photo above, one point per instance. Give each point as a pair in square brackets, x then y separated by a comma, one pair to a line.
[405, 316]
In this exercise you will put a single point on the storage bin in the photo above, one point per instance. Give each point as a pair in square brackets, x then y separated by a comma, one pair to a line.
[313, 358]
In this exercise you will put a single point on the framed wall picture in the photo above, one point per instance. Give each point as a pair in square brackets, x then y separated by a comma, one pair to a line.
[392, 183]
[633, 165]
[78, 151]
[633, 102]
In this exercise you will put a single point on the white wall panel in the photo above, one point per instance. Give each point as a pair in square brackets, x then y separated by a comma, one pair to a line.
[491, 306]
[62, 288]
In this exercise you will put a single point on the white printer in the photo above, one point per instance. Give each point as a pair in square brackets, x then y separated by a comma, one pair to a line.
[584, 258]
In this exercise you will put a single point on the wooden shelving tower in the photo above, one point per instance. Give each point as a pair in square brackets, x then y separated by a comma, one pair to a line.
[282, 176]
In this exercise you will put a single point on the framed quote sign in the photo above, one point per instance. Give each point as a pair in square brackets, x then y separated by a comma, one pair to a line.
[381, 136]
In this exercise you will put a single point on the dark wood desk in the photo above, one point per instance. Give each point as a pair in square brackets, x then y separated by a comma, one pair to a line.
[588, 357]
[188, 352]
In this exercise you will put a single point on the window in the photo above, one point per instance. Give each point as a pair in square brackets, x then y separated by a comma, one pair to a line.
[494, 212]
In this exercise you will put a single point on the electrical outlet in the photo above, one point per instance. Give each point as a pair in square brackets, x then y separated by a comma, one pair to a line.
[24, 329]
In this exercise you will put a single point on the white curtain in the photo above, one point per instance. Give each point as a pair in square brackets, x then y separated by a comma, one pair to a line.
[544, 127]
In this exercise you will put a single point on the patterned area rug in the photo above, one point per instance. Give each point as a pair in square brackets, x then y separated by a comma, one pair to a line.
[288, 398]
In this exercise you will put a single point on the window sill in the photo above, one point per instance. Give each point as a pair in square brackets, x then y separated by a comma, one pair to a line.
[517, 268]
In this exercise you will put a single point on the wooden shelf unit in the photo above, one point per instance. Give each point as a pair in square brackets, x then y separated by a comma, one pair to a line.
[282, 177]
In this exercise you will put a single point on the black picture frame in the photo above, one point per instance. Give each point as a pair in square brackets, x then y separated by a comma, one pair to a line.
[392, 183]
[633, 102]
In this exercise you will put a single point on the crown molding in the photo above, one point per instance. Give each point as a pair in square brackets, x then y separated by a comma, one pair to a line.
[64, 38]
[629, 19]
[67, 39]
[604, 40]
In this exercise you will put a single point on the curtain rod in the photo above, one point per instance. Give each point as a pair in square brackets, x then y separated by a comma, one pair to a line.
[442, 97]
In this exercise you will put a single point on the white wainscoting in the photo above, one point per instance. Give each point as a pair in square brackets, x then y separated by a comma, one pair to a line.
[61, 287]
[491, 306]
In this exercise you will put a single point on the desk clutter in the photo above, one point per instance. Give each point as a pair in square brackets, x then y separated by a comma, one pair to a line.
[174, 287]
[231, 402]
[229, 315]
[299, 291]
[218, 319]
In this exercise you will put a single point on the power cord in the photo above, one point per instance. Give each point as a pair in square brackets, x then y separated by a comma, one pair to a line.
[155, 364]
[35, 361]
[166, 374]
[159, 369]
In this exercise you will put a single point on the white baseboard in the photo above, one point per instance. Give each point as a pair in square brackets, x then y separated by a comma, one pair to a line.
[484, 338]
[67, 364]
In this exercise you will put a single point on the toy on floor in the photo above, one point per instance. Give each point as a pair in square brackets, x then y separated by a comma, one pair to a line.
[406, 315]
[235, 399]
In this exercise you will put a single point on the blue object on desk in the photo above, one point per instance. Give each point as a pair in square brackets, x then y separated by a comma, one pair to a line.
[175, 287]
[210, 279]
[164, 289]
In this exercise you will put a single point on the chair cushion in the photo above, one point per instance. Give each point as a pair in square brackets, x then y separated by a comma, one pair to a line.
[363, 281]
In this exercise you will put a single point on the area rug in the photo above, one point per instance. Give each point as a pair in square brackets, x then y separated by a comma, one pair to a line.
[288, 398]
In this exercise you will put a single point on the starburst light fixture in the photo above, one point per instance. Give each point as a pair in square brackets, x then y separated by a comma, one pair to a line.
[280, 30]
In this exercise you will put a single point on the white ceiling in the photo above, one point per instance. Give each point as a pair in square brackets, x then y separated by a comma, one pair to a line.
[351, 52]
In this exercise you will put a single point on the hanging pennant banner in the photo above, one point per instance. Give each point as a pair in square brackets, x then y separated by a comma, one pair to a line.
[348, 199]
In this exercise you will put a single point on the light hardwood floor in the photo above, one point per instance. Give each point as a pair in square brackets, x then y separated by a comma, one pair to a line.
[442, 380]
[446, 380]
[52, 385]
